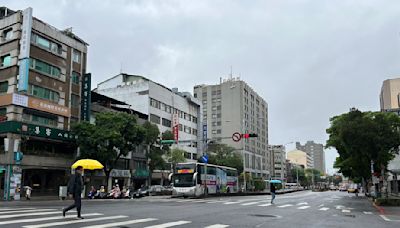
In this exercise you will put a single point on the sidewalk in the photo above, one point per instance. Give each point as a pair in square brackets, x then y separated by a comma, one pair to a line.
[387, 213]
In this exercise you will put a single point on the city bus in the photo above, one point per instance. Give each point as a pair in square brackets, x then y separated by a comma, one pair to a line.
[190, 180]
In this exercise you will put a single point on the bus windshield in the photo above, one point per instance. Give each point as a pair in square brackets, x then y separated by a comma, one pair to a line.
[183, 180]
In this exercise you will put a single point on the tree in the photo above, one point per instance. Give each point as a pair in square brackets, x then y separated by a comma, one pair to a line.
[111, 136]
[222, 154]
[361, 138]
[176, 155]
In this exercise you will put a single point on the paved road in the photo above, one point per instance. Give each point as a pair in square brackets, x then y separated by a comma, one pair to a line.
[301, 209]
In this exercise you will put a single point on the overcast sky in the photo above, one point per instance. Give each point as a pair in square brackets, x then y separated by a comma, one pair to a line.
[310, 60]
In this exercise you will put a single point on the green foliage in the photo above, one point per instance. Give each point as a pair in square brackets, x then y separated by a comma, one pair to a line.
[176, 155]
[362, 137]
[113, 135]
[222, 154]
[259, 184]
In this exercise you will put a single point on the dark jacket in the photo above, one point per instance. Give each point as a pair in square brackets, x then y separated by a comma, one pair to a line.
[75, 184]
[273, 188]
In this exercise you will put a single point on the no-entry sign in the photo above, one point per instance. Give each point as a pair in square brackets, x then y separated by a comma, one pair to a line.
[236, 136]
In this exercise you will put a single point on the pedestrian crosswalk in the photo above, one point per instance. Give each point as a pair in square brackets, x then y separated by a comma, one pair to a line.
[50, 217]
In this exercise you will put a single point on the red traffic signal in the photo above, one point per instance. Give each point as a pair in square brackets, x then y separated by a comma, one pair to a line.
[252, 135]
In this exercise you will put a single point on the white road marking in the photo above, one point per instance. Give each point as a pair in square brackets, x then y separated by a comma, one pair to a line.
[247, 204]
[217, 226]
[345, 211]
[16, 209]
[304, 203]
[324, 209]
[75, 221]
[367, 212]
[24, 211]
[117, 224]
[339, 207]
[213, 201]
[44, 219]
[232, 202]
[169, 224]
[303, 207]
[286, 205]
[321, 205]
[385, 218]
[29, 214]
[265, 205]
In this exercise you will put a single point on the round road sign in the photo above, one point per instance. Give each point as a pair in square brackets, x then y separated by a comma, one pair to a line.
[236, 136]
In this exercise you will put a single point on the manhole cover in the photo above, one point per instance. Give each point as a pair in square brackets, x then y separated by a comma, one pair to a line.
[264, 216]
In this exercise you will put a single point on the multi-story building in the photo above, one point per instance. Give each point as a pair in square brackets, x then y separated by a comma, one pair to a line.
[165, 107]
[278, 161]
[315, 152]
[233, 106]
[390, 102]
[298, 157]
[42, 72]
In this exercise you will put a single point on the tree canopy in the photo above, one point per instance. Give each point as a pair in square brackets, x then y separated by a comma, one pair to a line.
[362, 137]
[222, 154]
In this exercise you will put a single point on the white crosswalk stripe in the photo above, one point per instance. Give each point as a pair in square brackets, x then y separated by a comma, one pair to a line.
[285, 205]
[44, 219]
[303, 207]
[217, 226]
[75, 221]
[265, 205]
[232, 202]
[116, 224]
[169, 224]
[303, 203]
[367, 212]
[250, 203]
[324, 209]
[23, 211]
[29, 214]
[15, 209]
[345, 211]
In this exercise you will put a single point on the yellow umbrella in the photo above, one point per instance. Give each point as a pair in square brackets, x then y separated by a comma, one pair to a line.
[88, 164]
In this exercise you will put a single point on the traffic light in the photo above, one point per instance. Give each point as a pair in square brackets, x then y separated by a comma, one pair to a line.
[252, 135]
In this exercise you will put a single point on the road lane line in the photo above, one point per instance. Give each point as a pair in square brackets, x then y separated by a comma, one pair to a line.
[117, 224]
[303, 207]
[324, 209]
[25, 211]
[44, 219]
[265, 205]
[385, 218]
[247, 204]
[286, 205]
[232, 202]
[169, 224]
[367, 212]
[345, 211]
[217, 226]
[75, 221]
[29, 214]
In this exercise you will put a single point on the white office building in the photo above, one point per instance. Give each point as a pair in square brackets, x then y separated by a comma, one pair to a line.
[161, 104]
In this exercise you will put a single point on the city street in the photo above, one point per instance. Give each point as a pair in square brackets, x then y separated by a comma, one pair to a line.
[301, 209]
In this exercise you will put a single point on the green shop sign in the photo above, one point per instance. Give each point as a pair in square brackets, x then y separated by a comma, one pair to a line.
[141, 173]
[26, 129]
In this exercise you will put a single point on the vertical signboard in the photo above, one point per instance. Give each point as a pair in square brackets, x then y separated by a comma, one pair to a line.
[85, 96]
[175, 127]
[25, 44]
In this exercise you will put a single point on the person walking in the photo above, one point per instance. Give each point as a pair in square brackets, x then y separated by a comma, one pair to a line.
[272, 193]
[75, 187]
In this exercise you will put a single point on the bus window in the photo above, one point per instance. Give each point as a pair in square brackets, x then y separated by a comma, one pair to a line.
[211, 170]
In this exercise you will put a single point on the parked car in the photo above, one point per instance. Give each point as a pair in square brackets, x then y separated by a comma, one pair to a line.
[141, 192]
[343, 188]
[333, 188]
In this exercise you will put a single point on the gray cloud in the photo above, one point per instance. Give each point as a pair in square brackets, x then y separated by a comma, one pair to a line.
[309, 59]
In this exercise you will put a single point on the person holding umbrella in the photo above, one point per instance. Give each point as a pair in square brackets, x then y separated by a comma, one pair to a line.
[272, 193]
[75, 188]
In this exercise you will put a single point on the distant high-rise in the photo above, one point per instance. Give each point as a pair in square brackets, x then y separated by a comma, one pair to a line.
[316, 156]
[233, 106]
[390, 95]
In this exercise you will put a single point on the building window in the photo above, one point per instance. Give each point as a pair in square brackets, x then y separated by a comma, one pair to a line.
[74, 101]
[195, 95]
[46, 44]
[75, 77]
[188, 129]
[76, 56]
[45, 68]
[219, 131]
[180, 127]
[194, 131]
[7, 34]
[154, 118]
[204, 94]
[6, 60]
[41, 120]
[214, 132]
[166, 123]
[4, 87]
[43, 93]
[194, 119]
[3, 111]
